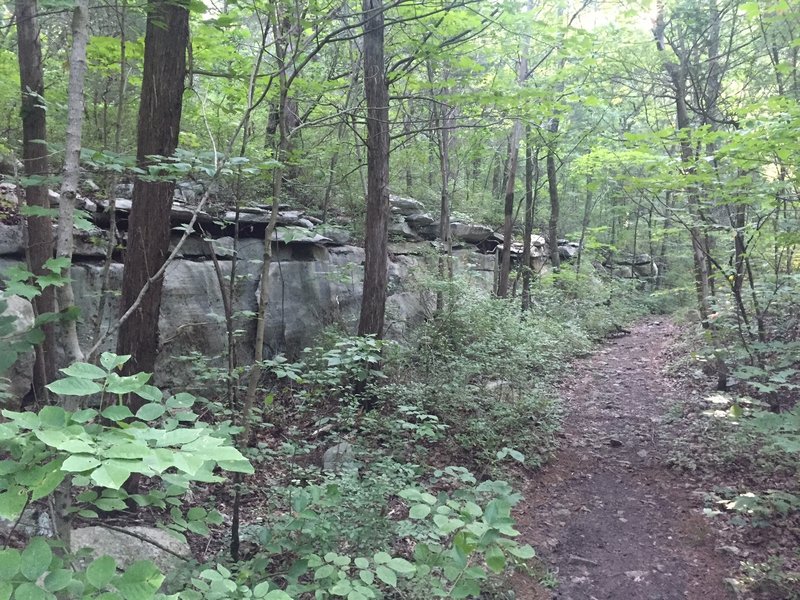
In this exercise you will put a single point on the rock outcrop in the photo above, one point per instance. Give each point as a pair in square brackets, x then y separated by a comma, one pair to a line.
[315, 279]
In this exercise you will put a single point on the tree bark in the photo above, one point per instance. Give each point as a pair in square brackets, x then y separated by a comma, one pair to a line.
[552, 188]
[166, 37]
[377, 219]
[72, 170]
[531, 186]
[508, 209]
[34, 160]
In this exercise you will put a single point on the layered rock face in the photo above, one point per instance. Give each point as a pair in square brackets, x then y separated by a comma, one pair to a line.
[315, 281]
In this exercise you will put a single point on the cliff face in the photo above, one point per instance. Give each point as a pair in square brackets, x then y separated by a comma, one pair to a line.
[316, 278]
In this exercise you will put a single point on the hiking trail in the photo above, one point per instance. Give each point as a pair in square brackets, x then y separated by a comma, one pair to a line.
[607, 516]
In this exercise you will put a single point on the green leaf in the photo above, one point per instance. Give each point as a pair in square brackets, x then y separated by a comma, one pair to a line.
[29, 591]
[419, 511]
[111, 475]
[525, 552]
[125, 385]
[140, 581]
[382, 558]
[367, 577]
[53, 416]
[278, 595]
[150, 412]
[74, 386]
[82, 416]
[182, 400]
[149, 392]
[495, 559]
[401, 565]
[361, 562]
[57, 580]
[117, 412]
[111, 361]
[84, 371]
[78, 463]
[342, 588]
[6, 589]
[324, 572]
[36, 559]
[12, 501]
[9, 563]
[386, 575]
[49, 483]
[100, 573]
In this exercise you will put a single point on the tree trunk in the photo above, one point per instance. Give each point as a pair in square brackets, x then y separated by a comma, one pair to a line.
[34, 160]
[377, 219]
[552, 188]
[508, 209]
[72, 170]
[531, 186]
[166, 37]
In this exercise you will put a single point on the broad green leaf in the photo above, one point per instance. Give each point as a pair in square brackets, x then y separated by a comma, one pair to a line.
[382, 558]
[140, 581]
[324, 572]
[9, 563]
[419, 511]
[401, 565]
[117, 412]
[100, 573]
[6, 589]
[278, 595]
[386, 575]
[150, 412]
[182, 400]
[84, 371]
[112, 361]
[361, 563]
[74, 386]
[78, 463]
[495, 559]
[49, 483]
[525, 552]
[30, 591]
[149, 392]
[53, 416]
[117, 384]
[12, 501]
[57, 580]
[36, 559]
[111, 475]
[367, 577]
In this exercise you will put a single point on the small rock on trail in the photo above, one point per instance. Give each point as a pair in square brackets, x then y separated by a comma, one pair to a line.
[611, 521]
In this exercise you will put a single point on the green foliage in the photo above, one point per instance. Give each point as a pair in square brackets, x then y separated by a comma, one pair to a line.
[97, 450]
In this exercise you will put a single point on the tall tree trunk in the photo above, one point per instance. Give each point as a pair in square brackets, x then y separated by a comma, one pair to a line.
[508, 209]
[552, 189]
[72, 169]
[166, 37]
[531, 188]
[376, 90]
[34, 160]
[587, 213]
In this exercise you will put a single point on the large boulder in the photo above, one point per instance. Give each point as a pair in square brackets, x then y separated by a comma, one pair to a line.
[129, 544]
[405, 206]
[11, 240]
[472, 233]
[399, 228]
[18, 378]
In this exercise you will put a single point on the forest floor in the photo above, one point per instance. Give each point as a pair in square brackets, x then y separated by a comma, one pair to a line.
[609, 518]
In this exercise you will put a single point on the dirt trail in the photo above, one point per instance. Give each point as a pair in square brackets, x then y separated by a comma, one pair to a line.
[607, 516]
